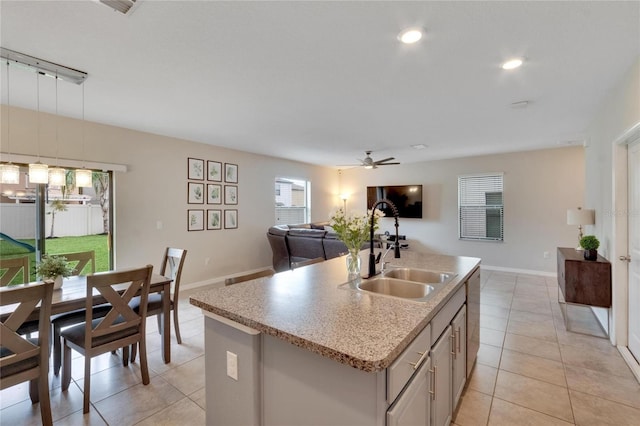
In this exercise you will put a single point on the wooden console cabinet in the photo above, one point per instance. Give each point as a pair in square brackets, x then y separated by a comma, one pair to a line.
[584, 282]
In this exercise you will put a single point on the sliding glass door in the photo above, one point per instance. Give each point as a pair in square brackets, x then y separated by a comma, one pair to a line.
[40, 219]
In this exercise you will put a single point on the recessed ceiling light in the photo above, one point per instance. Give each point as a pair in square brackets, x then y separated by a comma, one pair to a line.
[410, 35]
[419, 146]
[512, 64]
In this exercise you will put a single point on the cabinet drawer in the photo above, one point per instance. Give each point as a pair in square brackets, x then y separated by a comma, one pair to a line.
[446, 314]
[399, 373]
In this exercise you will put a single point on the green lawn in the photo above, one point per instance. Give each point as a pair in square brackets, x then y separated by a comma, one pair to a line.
[97, 243]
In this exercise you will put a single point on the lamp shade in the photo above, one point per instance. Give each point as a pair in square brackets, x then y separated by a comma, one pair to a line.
[581, 216]
[9, 173]
[84, 178]
[38, 173]
[57, 176]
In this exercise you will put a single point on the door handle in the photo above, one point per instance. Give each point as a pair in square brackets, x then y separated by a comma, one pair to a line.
[625, 258]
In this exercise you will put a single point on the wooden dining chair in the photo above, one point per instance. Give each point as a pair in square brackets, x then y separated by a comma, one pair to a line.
[13, 268]
[295, 265]
[119, 328]
[83, 260]
[171, 267]
[250, 276]
[16, 271]
[27, 359]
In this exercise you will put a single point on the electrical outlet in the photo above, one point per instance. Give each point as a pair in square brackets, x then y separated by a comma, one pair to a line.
[545, 254]
[158, 224]
[232, 365]
[206, 260]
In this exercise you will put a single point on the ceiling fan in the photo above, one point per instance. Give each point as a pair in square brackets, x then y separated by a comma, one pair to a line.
[368, 162]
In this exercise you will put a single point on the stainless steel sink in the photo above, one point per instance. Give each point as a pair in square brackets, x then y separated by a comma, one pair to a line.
[419, 275]
[397, 288]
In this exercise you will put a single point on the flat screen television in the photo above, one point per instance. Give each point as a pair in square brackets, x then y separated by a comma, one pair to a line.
[407, 198]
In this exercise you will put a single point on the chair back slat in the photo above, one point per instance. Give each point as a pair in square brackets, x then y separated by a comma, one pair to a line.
[12, 268]
[121, 316]
[171, 267]
[28, 297]
[81, 259]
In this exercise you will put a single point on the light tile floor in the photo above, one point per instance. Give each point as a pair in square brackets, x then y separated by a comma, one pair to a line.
[530, 371]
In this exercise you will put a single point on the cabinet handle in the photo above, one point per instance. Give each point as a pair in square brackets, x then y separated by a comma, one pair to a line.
[433, 372]
[458, 339]
[417, 364]
[453, 345]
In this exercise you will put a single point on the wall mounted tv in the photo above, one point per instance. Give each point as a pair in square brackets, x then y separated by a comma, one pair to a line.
[407, 198]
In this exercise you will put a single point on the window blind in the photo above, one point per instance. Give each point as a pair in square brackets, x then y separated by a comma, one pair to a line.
[481, 207]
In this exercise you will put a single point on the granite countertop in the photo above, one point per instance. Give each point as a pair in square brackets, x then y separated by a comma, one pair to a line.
[313, 308]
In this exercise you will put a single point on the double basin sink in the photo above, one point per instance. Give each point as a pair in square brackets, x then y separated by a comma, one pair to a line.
[406, 283]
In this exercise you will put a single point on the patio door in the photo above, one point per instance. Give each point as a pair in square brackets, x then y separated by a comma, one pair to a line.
[40, 219]
[633, 171]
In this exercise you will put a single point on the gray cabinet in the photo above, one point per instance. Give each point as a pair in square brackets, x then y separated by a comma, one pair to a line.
[412, 407]
[459, 353]
[441, 409]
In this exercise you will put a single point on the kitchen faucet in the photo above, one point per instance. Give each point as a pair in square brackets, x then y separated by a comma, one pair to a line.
[372, 256]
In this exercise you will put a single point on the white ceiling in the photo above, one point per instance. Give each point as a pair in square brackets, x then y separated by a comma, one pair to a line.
[321, 82]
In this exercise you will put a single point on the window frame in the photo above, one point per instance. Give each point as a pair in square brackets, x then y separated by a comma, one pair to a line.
[479, 178]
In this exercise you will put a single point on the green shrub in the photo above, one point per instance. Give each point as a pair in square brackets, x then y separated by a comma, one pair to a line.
[589, 242]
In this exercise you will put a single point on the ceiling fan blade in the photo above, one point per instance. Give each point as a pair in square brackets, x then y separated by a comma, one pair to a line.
[386, 164]
[385, 160]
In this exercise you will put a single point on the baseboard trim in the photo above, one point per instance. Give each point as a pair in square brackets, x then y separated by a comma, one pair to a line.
[631, 361]
[518, 271]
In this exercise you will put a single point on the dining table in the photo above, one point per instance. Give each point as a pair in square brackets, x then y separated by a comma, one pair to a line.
[73, 294]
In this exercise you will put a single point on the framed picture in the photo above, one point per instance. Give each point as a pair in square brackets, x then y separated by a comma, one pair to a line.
[214, 193]
[195, 193]
[230, 219]
[230, 194]
[214, 171]
[214, 219]
[195, 220]
[230, 173]
[195, 169]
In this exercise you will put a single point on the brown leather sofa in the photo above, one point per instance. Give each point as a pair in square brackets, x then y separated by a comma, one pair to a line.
[296, 243]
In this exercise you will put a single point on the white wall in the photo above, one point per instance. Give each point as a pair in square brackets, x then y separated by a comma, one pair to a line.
[619, 112]
[155, 190]
[539, 187]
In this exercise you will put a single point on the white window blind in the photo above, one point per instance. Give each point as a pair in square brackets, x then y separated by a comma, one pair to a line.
[481, 207]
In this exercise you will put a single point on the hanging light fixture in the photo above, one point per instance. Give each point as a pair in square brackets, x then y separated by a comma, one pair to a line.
[84, 177]
[57, 175]
[9, 173]
[38, 172]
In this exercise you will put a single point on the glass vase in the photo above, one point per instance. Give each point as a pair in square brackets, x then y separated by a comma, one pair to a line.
[353, 263]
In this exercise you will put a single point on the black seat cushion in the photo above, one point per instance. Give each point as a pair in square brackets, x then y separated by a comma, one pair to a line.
[154, 303]
[76, 334]
[18, 367]
[74, 317]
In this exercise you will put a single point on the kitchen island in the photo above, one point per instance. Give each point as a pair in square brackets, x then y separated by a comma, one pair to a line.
[307, 347]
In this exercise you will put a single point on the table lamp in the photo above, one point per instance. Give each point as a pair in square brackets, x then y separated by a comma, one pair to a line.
[580, 217]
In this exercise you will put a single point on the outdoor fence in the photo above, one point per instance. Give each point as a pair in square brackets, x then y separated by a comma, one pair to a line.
[19, 220]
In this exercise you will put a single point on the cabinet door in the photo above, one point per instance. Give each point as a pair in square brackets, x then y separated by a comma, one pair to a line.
[412, 406]
[459, 352]
[441, 409]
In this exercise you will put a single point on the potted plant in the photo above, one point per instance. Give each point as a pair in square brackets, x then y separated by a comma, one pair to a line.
[54, 268]
[590, 245]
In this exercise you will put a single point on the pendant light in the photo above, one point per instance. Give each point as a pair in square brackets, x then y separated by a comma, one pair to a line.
[84, 177]
[9, 173]
[57, 175]
[38, 172]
